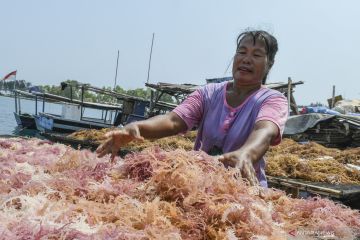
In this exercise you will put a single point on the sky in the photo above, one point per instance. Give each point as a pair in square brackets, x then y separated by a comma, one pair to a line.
[51, 41]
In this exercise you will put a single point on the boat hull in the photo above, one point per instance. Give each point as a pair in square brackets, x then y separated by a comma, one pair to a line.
[25, 121]
[51, 123]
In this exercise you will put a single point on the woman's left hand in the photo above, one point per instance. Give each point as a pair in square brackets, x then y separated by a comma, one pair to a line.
[240, 160]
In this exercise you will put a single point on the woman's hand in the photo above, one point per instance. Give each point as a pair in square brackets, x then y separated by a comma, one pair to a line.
[117, 139]
[243, 162]
[254, 148]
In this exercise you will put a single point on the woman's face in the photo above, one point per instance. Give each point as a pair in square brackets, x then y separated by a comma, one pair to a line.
[250, 62]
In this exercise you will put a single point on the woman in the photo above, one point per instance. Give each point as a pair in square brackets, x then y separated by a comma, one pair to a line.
[237, 120]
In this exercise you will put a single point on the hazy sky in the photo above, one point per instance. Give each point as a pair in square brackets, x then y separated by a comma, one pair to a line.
[51, 41]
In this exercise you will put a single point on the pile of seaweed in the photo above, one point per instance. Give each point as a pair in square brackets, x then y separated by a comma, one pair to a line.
[313, 162]
[51, 191]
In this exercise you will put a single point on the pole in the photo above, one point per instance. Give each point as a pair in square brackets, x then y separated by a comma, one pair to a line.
[289, 94]
[117, 65]
[36, 106]
[15, 83]
[152, 43]
[333, 97]
[82, 102]
[43, 108]
[16, 108]
[19, 104]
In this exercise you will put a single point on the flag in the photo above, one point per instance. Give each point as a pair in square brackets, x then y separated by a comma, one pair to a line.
[13, 73]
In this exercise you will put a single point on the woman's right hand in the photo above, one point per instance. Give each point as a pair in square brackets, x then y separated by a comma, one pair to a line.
[117, 139]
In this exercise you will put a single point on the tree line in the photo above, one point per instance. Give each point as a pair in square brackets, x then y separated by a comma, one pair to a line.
[11, 85]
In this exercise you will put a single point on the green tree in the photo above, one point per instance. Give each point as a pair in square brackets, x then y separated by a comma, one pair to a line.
[139, 92]
[167, 98]
[103, 98]
[119, 89]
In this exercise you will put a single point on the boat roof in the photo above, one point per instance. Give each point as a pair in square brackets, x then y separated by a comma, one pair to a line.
[49, 96]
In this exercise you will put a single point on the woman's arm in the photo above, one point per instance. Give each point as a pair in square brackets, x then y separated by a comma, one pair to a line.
[182, 118]
[161, 126]
[155, 127]
[259, 140]
[254, 148]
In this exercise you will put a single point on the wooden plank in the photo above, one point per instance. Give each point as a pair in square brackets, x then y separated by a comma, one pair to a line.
[294, 106]
[289, 94]
[333, 97]
[305, 186]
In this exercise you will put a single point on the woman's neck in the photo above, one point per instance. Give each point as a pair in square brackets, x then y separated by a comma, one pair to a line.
[236, 95]
[244, 90]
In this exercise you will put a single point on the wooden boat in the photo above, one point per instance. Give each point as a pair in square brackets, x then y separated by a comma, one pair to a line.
[23, 120]
[126, 109]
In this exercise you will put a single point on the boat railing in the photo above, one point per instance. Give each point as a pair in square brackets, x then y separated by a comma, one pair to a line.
[107, 109]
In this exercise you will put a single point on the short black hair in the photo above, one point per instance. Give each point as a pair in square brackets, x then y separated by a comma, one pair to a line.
[270, 44]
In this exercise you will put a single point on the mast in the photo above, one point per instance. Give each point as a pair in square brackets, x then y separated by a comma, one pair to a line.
[152, 43]
[117, 65]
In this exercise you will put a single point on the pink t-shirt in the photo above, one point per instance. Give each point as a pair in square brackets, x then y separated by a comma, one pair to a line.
[222, 128]
[273, 109]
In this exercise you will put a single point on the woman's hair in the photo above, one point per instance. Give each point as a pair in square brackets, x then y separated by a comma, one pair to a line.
[270, 44]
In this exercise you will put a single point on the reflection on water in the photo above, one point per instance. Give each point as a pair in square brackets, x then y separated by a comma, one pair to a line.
[7, 120]
[8, 126]
[23, 132]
